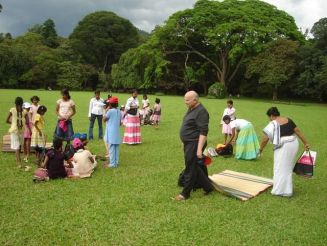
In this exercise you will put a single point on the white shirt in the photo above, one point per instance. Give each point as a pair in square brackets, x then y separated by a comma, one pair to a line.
[238, 124]
[131, 102]
[230, 112]
[96, 107]
[145, 103]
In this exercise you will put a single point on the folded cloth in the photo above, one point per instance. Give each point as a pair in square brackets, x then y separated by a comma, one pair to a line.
[63, 125]
[272, 130]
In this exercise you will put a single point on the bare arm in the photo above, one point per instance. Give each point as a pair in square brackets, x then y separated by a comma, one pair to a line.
[28, 123]
[45, 162]
[202, 140]
[232, 137]
[57, 111]
[263, 143]
[8, 120]
[303, 139]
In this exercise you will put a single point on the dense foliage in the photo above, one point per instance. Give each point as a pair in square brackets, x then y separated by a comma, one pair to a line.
[249, 46]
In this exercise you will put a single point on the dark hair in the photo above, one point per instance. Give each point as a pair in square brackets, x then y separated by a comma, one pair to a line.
[65, 92]
[273, 111]
[114, 105]
[145, 95]
[230, 102]
[19, 101]
[134, 91]
[42, 108]
[109, 96]
[226, 117]
[35, 98]
[97, 92]
[57, 143]
[157, 100]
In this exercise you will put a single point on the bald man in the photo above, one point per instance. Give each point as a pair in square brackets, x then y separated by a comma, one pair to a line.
[193, 133]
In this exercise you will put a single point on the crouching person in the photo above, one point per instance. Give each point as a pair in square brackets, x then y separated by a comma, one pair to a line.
[53, 166]
[84, 162]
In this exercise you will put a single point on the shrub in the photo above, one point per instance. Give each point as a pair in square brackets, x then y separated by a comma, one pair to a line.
[217, 90]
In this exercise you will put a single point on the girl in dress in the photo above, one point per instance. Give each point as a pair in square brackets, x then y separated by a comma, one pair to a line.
[34, 106]
[156, 113]
[145, 108]
[230, 111]
[28, 130]
[65, 110]
[15, 119]
[38, 136]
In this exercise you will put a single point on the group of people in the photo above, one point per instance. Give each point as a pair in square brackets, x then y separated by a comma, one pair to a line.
[27, 121]
[282, 132]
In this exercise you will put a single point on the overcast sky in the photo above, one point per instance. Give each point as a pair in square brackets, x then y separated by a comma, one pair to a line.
[18, 15]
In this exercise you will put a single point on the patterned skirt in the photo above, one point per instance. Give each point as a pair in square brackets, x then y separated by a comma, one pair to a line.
[37, 140]
[132, 134]
[247, 144]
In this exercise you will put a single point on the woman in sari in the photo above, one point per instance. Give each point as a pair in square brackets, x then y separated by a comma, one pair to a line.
[282, 132]
[245, 138]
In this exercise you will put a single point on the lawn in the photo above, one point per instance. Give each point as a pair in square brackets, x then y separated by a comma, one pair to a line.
[132, 205]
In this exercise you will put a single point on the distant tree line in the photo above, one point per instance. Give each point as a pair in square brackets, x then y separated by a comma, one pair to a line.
[236, 47]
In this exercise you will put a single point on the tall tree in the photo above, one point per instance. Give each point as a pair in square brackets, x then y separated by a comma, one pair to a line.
[319, 32]
[225, 33]
[275, 65]
[101, 38]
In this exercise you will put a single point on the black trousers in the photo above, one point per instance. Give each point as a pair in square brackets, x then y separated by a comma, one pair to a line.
[193, 172]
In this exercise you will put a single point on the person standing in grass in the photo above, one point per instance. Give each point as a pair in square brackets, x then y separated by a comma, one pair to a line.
[226, 129]
[15, 119]
[38, 138]
[65, 110]
[113, 119]
[27, 131]
[245, 138]
[34, 106]
[145, 108]
[96, 111]
[132, 134]
[156, 113]
[193, 133]
[282, 132]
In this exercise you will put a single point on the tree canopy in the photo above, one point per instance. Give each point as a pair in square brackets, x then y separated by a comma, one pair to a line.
[101, 38]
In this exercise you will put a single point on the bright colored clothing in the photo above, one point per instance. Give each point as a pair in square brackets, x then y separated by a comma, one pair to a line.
[38, 139]
[17, 123]
[113, 117]
[247, 144]
[65, 108]
[28, 126]
[132, 134]
[131, 102]
[33, 112]
[156, 113]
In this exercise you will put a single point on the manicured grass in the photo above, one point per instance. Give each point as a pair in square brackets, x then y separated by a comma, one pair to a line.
[132, 204]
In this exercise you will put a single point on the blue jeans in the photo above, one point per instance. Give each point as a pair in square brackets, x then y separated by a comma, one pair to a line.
[114, 154]
[92, 119]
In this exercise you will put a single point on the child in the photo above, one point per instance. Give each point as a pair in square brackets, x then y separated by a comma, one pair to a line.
[123, 114]
[65, 110]
[28, 130]
[156, 113]
[230, 111]
[54, 161]
[15, 119]
[145, 108]
[113, 118]
[38, 137]
[34, 106]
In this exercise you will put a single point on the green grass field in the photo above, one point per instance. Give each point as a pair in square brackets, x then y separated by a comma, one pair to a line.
[132, 205]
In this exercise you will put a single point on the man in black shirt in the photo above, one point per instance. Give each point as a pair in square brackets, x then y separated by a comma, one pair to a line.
[193, 133]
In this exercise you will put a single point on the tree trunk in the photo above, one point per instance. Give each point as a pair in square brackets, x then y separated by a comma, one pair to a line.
[275, 93]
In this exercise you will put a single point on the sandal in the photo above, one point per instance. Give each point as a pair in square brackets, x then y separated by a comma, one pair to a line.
[180, 198]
